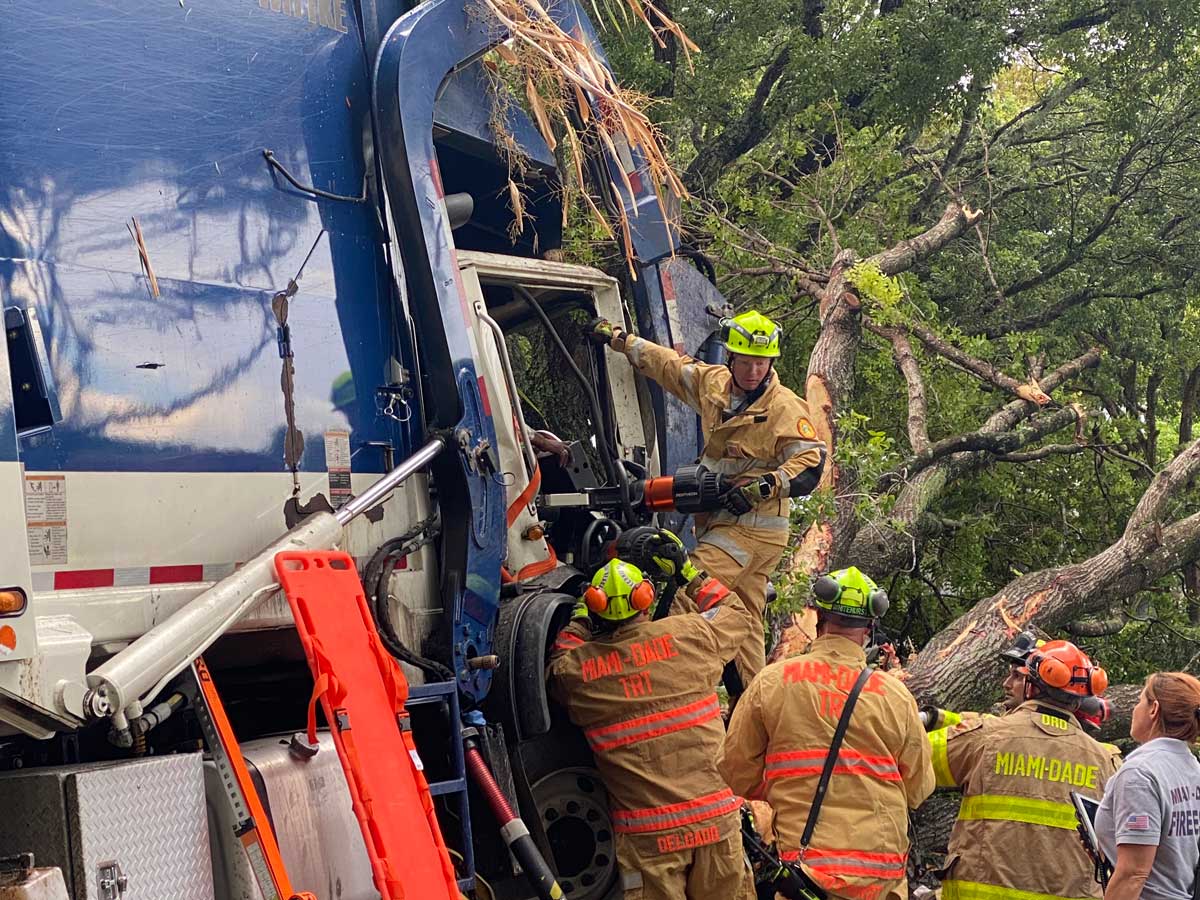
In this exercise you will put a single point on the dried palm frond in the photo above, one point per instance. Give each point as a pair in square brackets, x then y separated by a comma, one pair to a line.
[575, 103]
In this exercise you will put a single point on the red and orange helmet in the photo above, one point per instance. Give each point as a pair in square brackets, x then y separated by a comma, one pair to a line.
[1061, 666]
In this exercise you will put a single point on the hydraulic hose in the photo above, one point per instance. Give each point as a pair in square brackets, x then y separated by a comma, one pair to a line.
[376, 576]
[512, 829]
[608, 451]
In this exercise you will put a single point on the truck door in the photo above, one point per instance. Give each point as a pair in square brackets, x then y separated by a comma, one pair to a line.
[531, 387]
[527, 553]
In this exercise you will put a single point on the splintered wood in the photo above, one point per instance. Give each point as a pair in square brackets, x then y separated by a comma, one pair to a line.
[135, 231]
[577, 106]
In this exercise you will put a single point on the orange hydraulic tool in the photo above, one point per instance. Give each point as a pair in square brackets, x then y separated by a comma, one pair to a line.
[253, 827]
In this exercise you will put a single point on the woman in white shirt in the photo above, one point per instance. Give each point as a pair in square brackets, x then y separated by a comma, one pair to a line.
[1149, 818]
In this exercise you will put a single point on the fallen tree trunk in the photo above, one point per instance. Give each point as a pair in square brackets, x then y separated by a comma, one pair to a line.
[954, 667]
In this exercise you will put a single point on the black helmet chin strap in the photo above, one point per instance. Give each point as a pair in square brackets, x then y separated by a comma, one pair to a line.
[757, 392]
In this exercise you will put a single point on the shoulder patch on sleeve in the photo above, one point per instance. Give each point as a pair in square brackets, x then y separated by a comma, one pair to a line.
[806, 429]
[966, 725]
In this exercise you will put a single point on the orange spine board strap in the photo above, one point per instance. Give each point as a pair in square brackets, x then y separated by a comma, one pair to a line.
[262, 833]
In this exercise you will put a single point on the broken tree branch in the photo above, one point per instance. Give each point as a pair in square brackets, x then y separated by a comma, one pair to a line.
[918, 432]
[1166, 484]
[904, 255]
[982, 369]
[956, 661]
[1042, 453]
[996, 443]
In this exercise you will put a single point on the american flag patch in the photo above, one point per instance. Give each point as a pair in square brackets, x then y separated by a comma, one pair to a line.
[1137, 823]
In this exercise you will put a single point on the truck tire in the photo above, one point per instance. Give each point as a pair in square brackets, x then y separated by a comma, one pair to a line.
[570, 801]
[573, 807]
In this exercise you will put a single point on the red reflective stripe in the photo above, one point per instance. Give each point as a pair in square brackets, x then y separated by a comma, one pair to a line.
[811, 762]
[568, 637]
[83, 578]
[803, 771]
[712, 806]
[844, 753]
[692, 714]
[725, 794]
[849, 862]
[722, 810]
[654, 717]
[174, 574]
[711, 593]
[863, 870]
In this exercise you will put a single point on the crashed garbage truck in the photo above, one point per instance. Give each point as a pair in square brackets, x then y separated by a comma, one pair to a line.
[260, 293]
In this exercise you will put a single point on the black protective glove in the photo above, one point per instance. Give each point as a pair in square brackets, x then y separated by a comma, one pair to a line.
[601, 331]
[743, 499]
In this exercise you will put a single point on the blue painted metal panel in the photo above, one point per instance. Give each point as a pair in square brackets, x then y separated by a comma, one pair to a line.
[414, 60]
[161, 111]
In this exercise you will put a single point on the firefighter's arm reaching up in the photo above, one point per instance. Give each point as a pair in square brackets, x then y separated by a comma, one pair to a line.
[914, 757]
[678, 374]
[728, 621]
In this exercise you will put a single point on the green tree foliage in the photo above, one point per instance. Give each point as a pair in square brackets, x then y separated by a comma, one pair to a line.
[814, 127]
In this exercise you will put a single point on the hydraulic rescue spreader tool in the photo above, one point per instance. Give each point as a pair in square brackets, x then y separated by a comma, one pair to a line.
[692, 489]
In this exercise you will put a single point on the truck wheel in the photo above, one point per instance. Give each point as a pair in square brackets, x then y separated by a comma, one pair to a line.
[574, 809]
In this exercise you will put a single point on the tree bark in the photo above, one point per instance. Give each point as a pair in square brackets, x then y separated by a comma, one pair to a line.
[1122, 698]
[953, 667]
[983, 369]
[985, 441]
[830, 379]
[1187, 408]
[906, 362]
[1152, 385]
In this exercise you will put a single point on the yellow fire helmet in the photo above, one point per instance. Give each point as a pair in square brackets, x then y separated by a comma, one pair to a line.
[619, 591]
[752, 334]
[848, 592]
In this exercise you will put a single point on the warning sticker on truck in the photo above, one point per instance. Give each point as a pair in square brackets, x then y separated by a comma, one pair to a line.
[337, 463]
[46, 519]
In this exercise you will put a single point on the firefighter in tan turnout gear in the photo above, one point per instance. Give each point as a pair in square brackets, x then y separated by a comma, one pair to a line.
[759, 435]
[644, 694]
[1015, 835]
[783, 728]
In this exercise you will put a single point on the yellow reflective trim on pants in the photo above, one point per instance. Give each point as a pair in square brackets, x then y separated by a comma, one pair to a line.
[941, 762]
[974, 890]
[1019, 809]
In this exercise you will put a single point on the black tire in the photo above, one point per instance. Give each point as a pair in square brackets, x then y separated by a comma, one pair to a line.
[573, 806]
[569, 799]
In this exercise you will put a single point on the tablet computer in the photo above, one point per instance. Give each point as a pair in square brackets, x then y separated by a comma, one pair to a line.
[1085, 814]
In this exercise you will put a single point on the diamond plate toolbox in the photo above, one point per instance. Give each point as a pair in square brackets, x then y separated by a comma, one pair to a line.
[131, 830]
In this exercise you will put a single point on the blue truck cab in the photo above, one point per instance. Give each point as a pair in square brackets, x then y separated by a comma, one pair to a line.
[253, 253]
